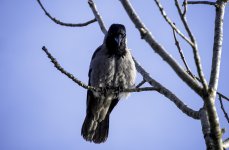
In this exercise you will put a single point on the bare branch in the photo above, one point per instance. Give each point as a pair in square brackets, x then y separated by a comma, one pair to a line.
[194, 47]
[146, 35]
[65, 24]
[182, 55]
[97, 16]
[168, 20]
[214, 77]
[140, 89]
[206, 129]
[220, 94]
[222, 107]
[141, 83]
[217, 47]
[69, 75]
[80, 83]
[216, 132]
[226, 143]
[201, 2]
[167, 93]
[185, 7]
[223, 96]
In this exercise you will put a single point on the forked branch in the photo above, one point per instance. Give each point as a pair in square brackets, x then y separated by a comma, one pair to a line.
[194, 47]
[168, 20]
[146, 35]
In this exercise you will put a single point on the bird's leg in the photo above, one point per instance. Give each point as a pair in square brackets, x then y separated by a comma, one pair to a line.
[102, 90]
[105, 90]
[118, 90]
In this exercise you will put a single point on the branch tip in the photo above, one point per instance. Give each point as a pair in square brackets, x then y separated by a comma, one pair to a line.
[62, 23]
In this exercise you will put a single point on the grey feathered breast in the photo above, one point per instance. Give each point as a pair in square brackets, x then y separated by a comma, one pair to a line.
[112, 71]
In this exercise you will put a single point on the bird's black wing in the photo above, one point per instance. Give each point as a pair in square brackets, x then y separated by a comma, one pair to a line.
[90, 97]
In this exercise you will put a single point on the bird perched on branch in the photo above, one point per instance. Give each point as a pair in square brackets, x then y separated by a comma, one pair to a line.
[112, 67]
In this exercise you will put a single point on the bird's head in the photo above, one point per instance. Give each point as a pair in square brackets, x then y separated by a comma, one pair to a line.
[116, 40]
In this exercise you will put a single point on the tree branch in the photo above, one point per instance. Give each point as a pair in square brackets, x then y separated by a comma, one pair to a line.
[168, 20]
[214, 77]
[80, 83]
[185, 7]
[69, 75]
[222, 107]
[216, 133]
[62, 23]
[201, 2]
[206, 129]
[194, 47]
[223, 96]
[182, 55]
[141, 83]
[97, 16]
[217, 46]
[146, 35]
[167, 93]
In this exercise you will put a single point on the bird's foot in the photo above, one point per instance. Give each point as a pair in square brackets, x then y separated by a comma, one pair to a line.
[118, 90]
[103, 90]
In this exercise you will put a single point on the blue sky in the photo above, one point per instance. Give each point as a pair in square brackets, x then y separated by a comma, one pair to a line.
[40, 108]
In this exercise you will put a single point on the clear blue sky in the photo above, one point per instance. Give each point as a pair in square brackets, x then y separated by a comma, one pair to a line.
[41, 109]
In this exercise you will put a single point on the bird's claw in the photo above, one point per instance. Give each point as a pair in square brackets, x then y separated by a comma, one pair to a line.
[118, 90]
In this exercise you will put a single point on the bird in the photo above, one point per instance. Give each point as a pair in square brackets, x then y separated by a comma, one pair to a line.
[111, 67]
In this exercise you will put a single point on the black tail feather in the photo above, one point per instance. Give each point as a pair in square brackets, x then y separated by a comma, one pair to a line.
[102, 130]
[95, 131]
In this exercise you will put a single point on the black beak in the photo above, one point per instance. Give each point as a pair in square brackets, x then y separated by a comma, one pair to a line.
[118, 39]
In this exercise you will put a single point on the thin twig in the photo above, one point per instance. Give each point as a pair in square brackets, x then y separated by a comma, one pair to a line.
[185, 7]
[223, 96]
[160, 50]
[194, 47]
[141, 83]
[182, 55]
[168, 20]
[97, 16]
[167, 93]
[80, 83]
[222, 107]
[65, 24]
[201, 2]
